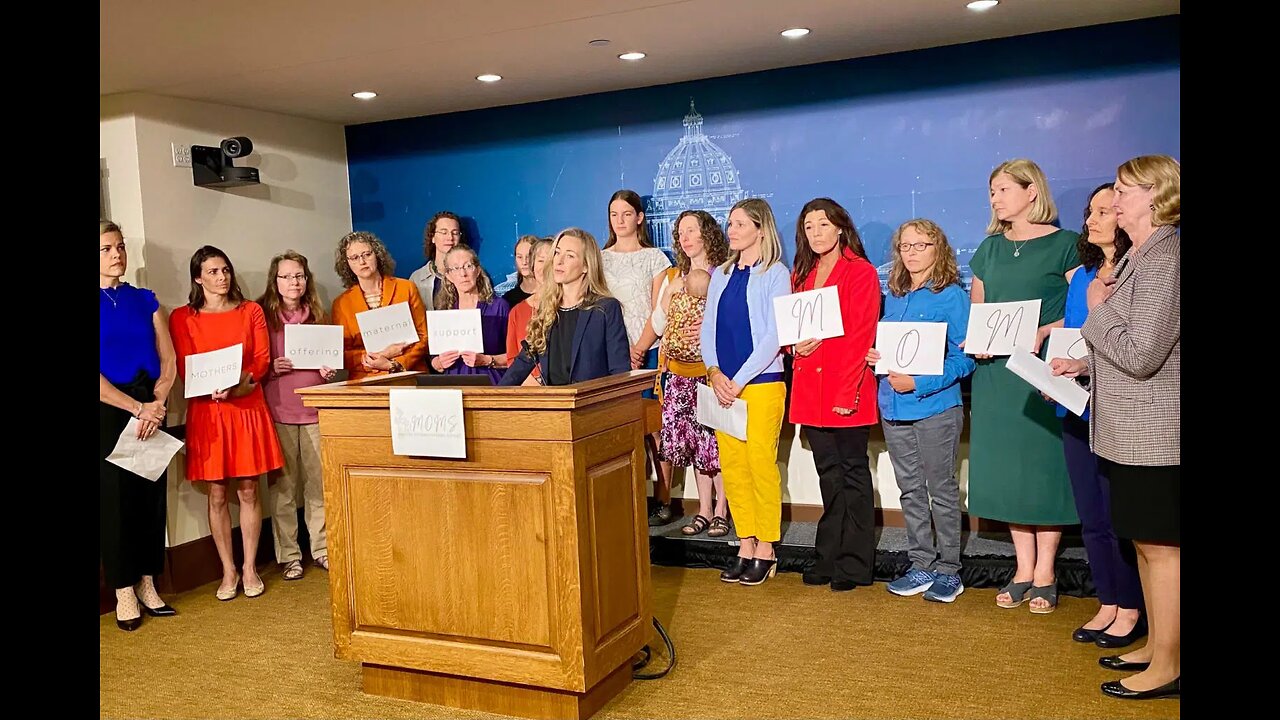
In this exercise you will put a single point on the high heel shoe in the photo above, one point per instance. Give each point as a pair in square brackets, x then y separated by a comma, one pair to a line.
[129, 625]
[162, 611]
[735, 570]
[758, 570]
[1115, 689]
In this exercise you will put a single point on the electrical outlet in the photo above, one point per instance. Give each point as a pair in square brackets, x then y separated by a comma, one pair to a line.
[181, 155]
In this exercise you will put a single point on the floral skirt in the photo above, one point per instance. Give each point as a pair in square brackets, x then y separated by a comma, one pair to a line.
[685, 441]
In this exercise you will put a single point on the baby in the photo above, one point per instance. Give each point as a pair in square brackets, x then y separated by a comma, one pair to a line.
[685, 311]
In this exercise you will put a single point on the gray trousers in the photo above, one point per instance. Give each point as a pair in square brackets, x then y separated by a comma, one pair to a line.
[924, 454]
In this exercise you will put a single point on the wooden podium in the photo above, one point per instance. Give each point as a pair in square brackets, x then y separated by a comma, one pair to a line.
[515, 581]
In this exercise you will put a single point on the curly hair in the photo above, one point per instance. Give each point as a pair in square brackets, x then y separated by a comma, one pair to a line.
[714, 243]
[945, 269]
[386, 266]
[428, 247]
[1091, 256]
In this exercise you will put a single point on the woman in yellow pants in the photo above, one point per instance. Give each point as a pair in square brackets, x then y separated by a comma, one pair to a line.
[740, 348]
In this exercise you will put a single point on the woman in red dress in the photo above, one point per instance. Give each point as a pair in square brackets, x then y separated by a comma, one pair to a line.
[230, 436]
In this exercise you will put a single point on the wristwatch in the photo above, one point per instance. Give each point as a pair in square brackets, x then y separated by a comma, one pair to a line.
[396, 367]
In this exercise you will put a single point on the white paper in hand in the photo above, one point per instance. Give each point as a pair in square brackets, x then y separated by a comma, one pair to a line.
[731, 420]
[454, 330]
[997, 328]
[809, 315]
[210, 372]
[1067, 343]
[428, 423]
[1038, 373]
[311, 347]
[146, 458]
[911, 348]
[386, 326]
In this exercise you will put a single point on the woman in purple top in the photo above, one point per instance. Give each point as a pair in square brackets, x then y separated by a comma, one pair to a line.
[291, 299]
[136, 369]
[469, 287]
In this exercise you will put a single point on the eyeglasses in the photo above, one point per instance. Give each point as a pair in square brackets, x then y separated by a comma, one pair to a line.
[466, 267]
[918, 247]
[448, 233]
[366, 255]
[299, 277]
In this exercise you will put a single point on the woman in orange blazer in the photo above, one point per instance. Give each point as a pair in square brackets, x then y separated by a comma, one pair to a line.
[833, 393]
[366, 268]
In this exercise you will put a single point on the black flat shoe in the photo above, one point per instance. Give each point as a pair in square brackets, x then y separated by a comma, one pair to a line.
[1107, 640]
[1085, 635]
[129, 625]
[162, 611]
[812, 578]
[843, 585]
[736, 568]
[1117, 690]
[758, 571]
[1113, 662]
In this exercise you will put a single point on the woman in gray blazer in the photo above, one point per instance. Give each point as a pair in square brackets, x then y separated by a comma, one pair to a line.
[1134, 336]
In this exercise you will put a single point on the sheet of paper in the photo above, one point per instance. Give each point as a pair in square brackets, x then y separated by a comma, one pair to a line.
[1067, 343]
[912, 348]
[997, 328]
[212, 371]
[731, 420]
[146, 458]
[809, 315]
[385, 326]
[311, 347]
[428, 423]
[1036, 372]
[454, 330]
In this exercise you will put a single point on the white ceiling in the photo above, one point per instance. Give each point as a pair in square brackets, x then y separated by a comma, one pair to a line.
[306, 57]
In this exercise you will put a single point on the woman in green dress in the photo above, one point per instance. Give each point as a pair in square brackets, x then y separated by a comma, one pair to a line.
[1016, 469]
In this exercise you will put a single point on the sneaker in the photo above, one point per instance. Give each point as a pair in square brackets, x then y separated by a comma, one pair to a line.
[913, 583]
[945, 589]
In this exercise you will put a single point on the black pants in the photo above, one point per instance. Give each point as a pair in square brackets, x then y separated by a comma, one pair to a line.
[846, 542]
[131, 509]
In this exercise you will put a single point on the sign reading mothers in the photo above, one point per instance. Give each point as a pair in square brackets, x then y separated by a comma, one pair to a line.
[454, 330]
[428, 423]
[386, 326]
[312, 347]
[212, 371]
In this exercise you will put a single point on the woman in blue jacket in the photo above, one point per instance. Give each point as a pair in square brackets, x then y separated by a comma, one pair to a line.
[922, 415]
[577, 332]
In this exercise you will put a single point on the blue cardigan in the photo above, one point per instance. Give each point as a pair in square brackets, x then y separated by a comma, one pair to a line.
[600, 347]
[763, 285]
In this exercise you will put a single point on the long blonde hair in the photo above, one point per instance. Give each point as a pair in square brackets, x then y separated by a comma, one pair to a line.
[1025, 173]
[945, 270]
[770, 245]
[271, 301]
[551, 293]
[447, 295]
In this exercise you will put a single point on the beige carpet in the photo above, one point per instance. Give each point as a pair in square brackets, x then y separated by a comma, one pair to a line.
[781, 650]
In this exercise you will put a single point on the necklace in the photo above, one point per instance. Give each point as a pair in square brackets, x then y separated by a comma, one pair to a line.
[1017, 248]
[113, 300]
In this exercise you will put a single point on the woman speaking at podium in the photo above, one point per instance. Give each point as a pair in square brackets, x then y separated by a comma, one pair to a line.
[577, 332]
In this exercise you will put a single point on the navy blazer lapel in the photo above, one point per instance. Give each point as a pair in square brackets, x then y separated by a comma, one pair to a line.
[584, 317]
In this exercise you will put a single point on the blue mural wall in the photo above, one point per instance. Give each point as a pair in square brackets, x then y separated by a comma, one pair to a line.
[891, 138]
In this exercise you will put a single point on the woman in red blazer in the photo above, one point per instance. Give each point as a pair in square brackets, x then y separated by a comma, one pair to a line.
[833, 393]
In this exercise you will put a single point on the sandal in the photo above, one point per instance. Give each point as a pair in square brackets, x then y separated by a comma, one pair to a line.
[719, 527]
[1048, 593]
[323, 561]
[1017, 594]
[293, 570]
[697, 526]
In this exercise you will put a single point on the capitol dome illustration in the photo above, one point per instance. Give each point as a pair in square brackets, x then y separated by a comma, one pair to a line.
[695, 175]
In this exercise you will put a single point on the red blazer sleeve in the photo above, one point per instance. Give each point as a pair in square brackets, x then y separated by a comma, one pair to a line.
[859, 291]
[257, 351]
[412, 359]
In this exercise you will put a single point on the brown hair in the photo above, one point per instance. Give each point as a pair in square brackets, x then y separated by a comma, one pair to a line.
[447, 295]
[945, 270]
[642, 230]
[271, 302]
[806, 258]
[715, 245]
[195, 300]
[428, 247]
[386, 266]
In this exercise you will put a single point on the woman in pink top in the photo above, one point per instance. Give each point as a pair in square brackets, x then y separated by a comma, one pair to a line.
[291, 299]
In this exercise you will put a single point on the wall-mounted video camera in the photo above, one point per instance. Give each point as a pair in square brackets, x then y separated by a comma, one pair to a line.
[213, 166]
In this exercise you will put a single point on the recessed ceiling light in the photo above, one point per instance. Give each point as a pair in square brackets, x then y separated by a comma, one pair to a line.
[488, 77]
[598, 43]
[631, 56]
[794, 32]
[364, 95]
[982, 4]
